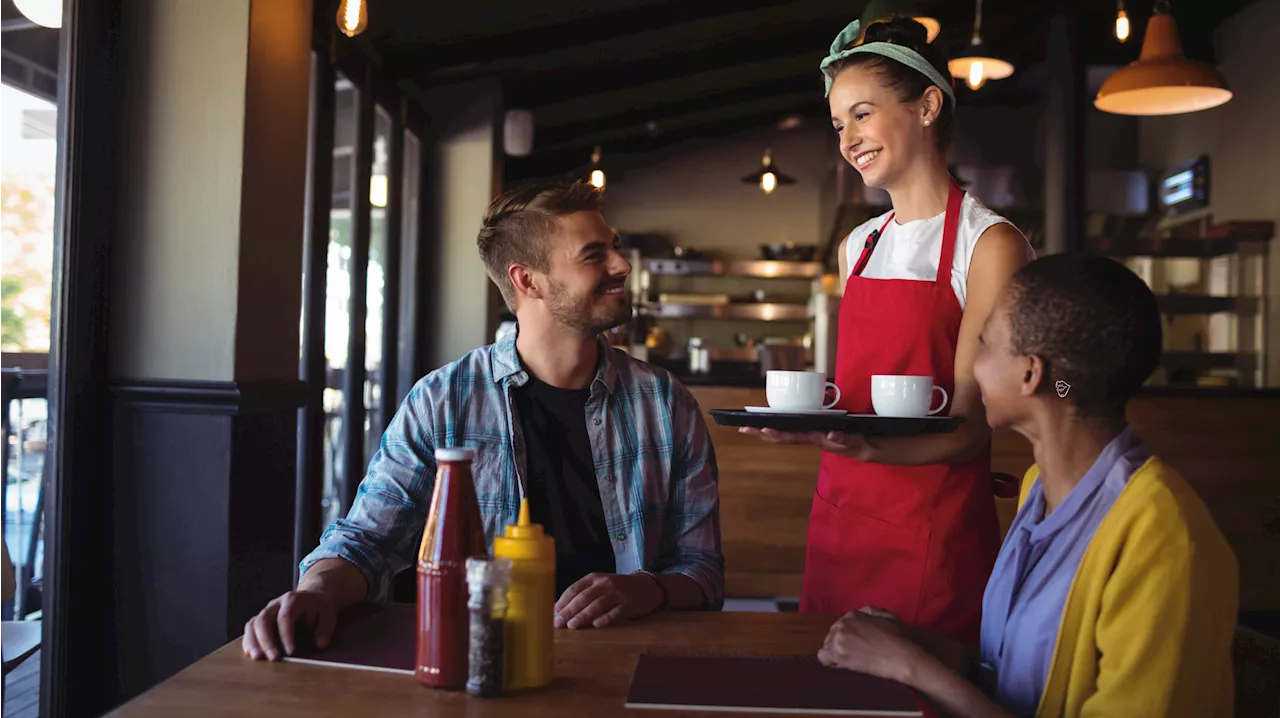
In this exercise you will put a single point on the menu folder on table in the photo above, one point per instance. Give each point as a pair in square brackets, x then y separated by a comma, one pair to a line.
[369, 636]
[800, 686]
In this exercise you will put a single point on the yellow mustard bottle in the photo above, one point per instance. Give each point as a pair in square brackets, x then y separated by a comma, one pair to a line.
[531, 603]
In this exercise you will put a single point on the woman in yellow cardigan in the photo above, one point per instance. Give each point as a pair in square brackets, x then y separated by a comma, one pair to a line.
[1114, 593]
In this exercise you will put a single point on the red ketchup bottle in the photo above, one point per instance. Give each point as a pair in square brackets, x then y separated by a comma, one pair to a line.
[454, 533]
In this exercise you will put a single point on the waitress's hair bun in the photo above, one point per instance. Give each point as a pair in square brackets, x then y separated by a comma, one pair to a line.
[906, 82]
[899, 31]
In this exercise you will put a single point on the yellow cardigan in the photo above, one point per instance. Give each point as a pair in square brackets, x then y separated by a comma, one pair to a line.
[1149, 619]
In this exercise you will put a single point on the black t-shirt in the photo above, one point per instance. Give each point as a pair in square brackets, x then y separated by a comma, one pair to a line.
[561, 479]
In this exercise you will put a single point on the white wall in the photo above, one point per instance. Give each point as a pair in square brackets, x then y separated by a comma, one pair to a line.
[214, 173]
[1242, 139]
[183, 69]
[463, 178]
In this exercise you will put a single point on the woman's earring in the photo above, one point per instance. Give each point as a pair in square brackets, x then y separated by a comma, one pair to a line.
[927, 123]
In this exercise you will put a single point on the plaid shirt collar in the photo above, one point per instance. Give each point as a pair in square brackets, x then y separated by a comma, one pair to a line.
[505, 364]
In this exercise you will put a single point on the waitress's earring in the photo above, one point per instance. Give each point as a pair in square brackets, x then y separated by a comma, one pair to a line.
[927, 123]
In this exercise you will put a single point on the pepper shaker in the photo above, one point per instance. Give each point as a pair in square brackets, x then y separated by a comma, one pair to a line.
[487, 580]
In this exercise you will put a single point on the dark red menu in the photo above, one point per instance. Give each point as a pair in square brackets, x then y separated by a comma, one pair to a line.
[378, 637]
[773, 685]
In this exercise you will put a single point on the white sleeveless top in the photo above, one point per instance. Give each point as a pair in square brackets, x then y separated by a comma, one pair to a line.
[911, 250]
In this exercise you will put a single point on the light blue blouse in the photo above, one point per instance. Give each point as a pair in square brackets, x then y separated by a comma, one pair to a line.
[1022, 606]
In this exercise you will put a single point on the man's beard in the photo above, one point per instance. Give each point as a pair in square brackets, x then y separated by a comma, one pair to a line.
[583, 314]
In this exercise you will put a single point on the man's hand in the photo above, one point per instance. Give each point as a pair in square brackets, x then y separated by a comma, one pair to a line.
[277, 624]
[600, 599]
[853, 446]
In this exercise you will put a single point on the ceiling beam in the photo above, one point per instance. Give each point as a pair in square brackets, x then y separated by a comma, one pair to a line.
[751, 34]
[660, 113]
[620, 155]
[615, 101]
[410, 61]
[776, 105]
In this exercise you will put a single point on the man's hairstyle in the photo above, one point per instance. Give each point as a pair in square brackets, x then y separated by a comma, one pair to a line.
[1095, 324]
[519, 224]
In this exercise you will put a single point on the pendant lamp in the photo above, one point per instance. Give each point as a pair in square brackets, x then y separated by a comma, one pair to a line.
[976, 64]
[1162, 81]
[884, 9]
[47, 13]
[768, 176]
[597, 172]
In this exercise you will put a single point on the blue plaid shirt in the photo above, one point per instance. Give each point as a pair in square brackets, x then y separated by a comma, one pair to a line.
[654, 464]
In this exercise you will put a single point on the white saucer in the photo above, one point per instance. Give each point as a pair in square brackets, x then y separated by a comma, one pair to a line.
[808, 412]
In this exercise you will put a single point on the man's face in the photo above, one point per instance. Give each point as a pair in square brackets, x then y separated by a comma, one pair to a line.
[587, 275]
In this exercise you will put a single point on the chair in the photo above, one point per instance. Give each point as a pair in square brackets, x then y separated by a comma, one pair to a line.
[21, 639]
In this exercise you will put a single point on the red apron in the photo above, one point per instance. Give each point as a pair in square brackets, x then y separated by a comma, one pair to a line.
[919, 541]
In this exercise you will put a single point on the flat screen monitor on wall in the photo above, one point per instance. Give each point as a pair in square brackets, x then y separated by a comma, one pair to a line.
[1186, 187]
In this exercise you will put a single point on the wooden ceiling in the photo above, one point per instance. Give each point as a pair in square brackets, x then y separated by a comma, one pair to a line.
[633, 75]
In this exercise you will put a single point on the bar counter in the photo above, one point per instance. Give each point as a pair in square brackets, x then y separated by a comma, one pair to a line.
[1226, 442]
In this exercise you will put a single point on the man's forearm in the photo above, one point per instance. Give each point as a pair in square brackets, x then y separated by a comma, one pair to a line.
[683, 593]
[338, 579]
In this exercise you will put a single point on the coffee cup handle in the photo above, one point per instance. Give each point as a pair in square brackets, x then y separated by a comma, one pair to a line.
[944, 401]
[834, 401]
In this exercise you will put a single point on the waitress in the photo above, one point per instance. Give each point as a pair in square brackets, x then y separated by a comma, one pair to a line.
[907, 524]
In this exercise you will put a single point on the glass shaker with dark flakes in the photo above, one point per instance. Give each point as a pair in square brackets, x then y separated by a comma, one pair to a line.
[487, 581]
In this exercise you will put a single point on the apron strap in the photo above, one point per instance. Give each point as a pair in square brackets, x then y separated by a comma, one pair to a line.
[870, 246]
[946, 258]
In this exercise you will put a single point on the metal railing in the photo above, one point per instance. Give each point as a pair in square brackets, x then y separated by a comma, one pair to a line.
[25, 418]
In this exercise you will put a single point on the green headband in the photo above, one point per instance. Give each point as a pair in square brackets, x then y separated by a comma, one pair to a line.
[905, 55]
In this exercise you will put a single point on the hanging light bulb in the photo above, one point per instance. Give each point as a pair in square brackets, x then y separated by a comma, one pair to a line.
[768, 176]
[597, 174]
[976, 65]
[975, 79]
[47, 13]
[353, 17]
[768, 182]
[1162, 81]
[1122, 23]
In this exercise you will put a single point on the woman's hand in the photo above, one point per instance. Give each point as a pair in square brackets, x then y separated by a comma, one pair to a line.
[872, 641]
[854, 446]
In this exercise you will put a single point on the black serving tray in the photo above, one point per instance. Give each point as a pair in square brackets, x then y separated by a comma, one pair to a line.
[866, 424]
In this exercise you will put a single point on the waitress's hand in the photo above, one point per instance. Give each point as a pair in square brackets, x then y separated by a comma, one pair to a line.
[873, 642]
[854, 446]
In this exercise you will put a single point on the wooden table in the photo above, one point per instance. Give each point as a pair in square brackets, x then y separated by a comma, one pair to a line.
[593, 674]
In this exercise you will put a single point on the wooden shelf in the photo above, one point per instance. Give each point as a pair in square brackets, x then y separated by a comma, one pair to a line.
[1193, 248]
[760, 311]
[759, 269]
[1205, 361]
[1198, 304]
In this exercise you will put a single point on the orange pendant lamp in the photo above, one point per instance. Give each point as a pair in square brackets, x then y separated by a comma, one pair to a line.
[1162, 81]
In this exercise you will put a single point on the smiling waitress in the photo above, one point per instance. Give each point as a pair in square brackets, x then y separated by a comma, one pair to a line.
[907, 525]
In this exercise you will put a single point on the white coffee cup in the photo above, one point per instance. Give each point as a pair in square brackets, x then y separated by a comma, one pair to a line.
[897, 395]
[799, 390]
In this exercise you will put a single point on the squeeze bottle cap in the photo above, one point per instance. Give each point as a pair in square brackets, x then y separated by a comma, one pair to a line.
[524, 539]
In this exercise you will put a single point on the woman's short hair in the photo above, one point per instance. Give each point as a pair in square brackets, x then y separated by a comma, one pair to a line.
[1094, 323]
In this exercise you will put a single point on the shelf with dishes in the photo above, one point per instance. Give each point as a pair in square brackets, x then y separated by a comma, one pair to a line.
[746, 268]
[705, 315]
[747, 311]
[1211, 283]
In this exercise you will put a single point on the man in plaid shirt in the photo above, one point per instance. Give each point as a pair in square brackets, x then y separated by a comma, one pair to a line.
[612, 454]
